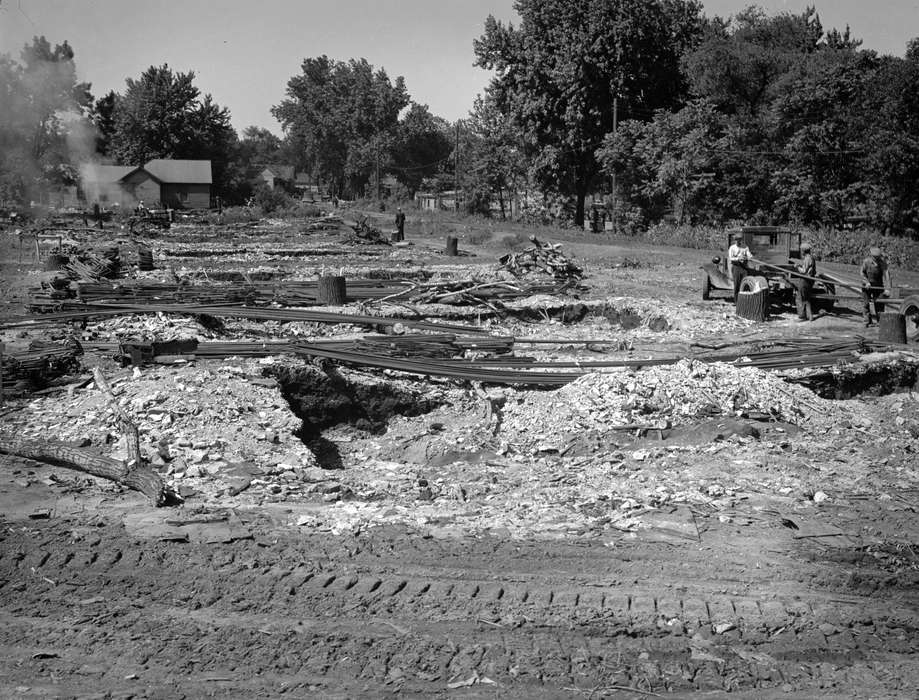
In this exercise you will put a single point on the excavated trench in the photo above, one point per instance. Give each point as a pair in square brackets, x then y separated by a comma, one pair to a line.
[870, 379]
[321, 397]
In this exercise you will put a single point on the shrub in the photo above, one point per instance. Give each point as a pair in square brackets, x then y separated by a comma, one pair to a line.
[233, 215]
[271, 200]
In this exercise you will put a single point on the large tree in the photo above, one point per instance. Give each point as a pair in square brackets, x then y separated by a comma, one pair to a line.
[342, 119]
[421, 147]
[163, 115]
[559, 73]
[40, 101]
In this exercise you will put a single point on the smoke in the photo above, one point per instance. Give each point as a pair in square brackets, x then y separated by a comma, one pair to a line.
[44, 133]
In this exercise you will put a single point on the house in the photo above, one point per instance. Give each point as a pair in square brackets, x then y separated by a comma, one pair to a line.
[183, 184]
[272, 175]
[439, 201]
[172, 183]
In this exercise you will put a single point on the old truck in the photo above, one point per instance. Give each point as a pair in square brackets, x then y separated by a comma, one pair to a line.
[771, 249]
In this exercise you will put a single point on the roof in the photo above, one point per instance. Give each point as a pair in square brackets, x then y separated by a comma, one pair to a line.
[186, 172]
[94, 172]
[284, 172]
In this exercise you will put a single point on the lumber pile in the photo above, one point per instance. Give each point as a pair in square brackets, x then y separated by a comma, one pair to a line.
[34, 368]
[542, 258]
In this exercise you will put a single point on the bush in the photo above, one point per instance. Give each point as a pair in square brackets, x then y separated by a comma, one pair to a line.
[849, 247]
[300, 210]
[233, 215]
[271, 200]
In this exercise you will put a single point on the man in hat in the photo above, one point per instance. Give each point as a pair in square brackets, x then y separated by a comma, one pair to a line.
[805, 283]
[875, 281]
[738, 257]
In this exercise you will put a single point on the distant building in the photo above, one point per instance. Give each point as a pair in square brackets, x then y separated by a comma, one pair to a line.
[273, 175]
[439, 201]
[166, 182]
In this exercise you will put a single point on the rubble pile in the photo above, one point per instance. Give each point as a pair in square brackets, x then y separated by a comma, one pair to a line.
[541, 258]
[366, 232]
[203, 427]
[679, 394]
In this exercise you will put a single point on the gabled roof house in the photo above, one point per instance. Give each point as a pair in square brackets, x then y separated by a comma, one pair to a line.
[174, 183]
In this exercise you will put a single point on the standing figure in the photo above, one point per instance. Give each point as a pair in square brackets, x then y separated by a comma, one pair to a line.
[875, 280]
[805, 286]
[400, 225]
[738, 257]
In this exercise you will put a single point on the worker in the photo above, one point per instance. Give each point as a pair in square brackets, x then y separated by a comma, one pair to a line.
[805, 284]
[400, 225]
[875, 283]
[738, 257]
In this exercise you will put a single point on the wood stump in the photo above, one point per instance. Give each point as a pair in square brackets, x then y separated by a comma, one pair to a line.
[452, 246]
[753, 305]
[333, 290]
[892, 327]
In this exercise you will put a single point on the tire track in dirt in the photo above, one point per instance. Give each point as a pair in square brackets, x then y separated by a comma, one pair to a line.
[416, 619]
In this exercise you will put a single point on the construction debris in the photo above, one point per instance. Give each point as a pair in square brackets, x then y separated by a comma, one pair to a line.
[38, 366]
[541, 258]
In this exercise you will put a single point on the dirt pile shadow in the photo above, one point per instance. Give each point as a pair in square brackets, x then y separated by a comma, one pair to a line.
[322, 398]
[871, 379]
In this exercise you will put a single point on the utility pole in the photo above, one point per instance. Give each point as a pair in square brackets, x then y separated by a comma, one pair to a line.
[379, 188]
[456, 187]
[613, 176]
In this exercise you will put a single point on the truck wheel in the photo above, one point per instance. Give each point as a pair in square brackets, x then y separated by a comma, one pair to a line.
[706, 288]
[754, 283]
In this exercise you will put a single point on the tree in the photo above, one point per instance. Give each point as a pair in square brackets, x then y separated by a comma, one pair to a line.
[342, 120]
[162, 115]
[260, 146]
[421, 147]
[103, 118]
[40, 98]
[559, 73]
[495, 167]
[740, 63]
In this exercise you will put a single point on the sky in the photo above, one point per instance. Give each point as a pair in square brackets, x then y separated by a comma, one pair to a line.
[244, 52]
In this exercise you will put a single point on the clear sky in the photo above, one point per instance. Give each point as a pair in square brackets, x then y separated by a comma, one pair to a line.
[243, 52]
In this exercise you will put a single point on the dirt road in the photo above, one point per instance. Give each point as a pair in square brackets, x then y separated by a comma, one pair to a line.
[119, 603]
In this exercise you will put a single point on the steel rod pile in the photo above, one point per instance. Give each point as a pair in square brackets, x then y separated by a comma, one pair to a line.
[287, 293]
[33, 368]
[98, 310]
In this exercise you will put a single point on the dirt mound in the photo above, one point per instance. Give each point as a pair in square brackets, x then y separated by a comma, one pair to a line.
[679, 393]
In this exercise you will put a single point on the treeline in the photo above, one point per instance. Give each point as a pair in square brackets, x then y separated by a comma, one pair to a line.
[647, 105]
[765, 119]
[345, 124]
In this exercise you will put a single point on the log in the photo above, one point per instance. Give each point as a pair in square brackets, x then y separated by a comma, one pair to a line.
[753, 305]
[333, 290]
[131, 434]
[142, 479]
[892, 327]
[452, 246]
